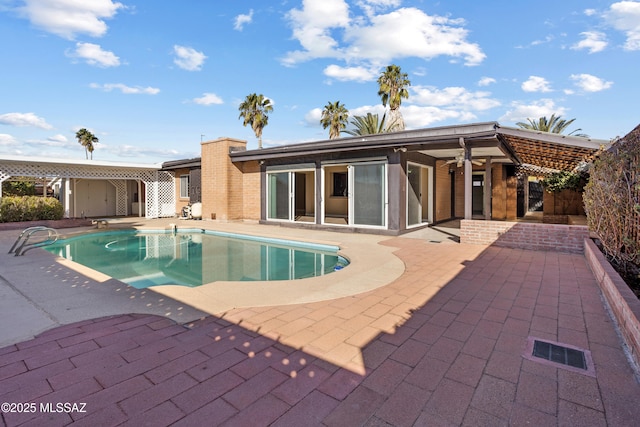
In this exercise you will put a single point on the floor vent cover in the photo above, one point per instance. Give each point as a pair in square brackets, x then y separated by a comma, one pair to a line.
[559, 354]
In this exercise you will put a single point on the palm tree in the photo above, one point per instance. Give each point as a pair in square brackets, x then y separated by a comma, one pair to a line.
[254, 111]
[555, 124]
[88, 141]
[334, 116]
[368, 125]
[393, 85]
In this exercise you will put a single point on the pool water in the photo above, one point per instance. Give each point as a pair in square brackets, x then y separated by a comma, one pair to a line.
[192, 258]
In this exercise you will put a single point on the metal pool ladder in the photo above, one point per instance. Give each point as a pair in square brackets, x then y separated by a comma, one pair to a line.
[22, 244]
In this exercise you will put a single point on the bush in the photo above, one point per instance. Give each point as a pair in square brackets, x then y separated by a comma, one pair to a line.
[30, 208]
[612, 201]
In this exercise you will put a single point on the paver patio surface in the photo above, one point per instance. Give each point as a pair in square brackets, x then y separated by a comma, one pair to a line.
[444, 344]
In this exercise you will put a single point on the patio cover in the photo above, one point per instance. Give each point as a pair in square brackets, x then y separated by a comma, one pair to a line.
[159, 185]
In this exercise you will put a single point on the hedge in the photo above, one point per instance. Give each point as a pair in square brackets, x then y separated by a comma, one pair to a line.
[29, 208]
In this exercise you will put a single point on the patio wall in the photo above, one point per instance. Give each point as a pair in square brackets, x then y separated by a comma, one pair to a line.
[623, 303]
[521, 235]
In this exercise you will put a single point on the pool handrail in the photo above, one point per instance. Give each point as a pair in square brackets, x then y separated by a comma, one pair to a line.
[21, 245]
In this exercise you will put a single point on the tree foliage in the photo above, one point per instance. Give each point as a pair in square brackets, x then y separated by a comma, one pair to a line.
[87, 140]
[334, 116]
[564, 180]
[254, 111]
[555, 124]
[392, 87]
[368, 125]
[612, 201]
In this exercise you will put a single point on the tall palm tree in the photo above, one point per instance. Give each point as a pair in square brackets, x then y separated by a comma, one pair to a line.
[555, 124]
[254, 110]
[369, 125]
[393, 85]
[334, 116]
[88, 141]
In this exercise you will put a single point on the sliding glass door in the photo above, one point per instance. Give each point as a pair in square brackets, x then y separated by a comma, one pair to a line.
[291, 195]
[368, 197]
[355, 194]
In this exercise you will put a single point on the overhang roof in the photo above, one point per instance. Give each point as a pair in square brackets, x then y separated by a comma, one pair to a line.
[77, 162]
[511, 145]
[550, 151]
[182, 164]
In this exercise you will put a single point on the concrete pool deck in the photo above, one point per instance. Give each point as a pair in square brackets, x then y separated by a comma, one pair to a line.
[442, 343]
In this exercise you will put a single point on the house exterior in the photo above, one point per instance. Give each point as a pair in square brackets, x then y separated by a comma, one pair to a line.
[385, 183]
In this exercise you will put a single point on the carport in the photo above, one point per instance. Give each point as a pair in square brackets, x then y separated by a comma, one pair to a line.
[88, 188]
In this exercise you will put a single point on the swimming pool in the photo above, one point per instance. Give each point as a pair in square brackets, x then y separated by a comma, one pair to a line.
[194, 257]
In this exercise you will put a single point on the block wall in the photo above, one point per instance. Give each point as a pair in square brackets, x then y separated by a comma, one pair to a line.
[624, 305]
[520, 235]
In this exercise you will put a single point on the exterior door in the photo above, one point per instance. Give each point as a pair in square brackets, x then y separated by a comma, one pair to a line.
[368, 194]
[477, 194]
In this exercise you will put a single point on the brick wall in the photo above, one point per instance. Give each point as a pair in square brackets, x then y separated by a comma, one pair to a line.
[624, 305]
[251, 190]
[222, 181]
[521, 235]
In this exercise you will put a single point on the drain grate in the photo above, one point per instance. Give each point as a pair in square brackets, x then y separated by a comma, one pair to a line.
[559, 354]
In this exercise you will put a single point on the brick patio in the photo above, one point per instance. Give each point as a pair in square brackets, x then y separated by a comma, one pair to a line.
[442, 345]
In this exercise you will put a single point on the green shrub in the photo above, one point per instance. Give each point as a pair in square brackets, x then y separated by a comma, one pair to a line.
[30, 208]
[612, 201]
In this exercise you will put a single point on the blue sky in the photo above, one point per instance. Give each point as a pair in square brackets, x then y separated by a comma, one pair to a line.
[152, 78]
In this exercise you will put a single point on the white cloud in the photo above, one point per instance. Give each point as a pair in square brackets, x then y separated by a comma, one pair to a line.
[625, 16]
[486, 81]
[422, 116]
[128, 90]
[7, 140]
[594, 41]
[326, 30]
[144, 152]
[67, 18]
[208, 99]
[312, 118]
[360, 74]
[521, 111]
[24, 120]
[94, 55]
[536, 84]
[241, 20]
[57, 141]
[188, 58]
[457, 98]
[590, 12]
[589, 83]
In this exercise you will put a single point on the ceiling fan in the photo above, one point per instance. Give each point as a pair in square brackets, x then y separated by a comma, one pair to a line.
[459, 160]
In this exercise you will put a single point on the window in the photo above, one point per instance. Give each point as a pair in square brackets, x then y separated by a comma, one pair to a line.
[184, 186]
[339, 184]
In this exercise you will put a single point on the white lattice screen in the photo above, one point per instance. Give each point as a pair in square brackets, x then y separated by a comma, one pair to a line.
[121, 196]
[161, 196]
